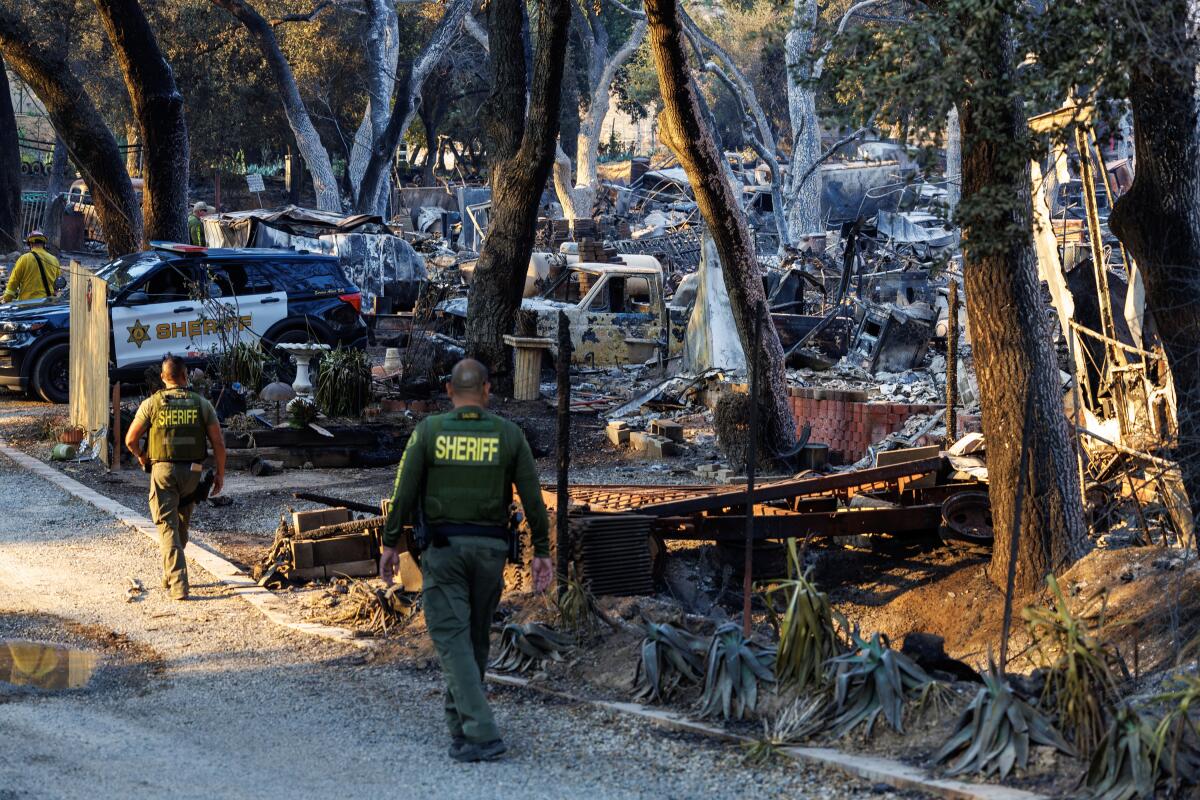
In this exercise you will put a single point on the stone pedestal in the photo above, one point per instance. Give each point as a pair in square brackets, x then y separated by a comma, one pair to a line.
[527, 365]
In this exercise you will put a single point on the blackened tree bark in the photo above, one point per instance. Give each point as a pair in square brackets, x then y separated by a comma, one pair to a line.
[74, 116]
[308, 141]
[1013, 355]
[433, 109]
[1158, 219]
[410, 77]
[521, 153]
[682, 127]
[10, 171]
[158, 109]
[55, 197]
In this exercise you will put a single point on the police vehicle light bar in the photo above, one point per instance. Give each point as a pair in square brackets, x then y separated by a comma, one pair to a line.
[176, 247]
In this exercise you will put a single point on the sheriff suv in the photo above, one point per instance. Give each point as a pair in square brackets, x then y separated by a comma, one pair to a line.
[163, 301]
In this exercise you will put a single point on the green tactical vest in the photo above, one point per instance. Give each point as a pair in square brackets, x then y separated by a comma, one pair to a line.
[177, 430]
[468, 466]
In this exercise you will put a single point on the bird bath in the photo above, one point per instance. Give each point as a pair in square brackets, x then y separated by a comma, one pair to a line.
[302, 354]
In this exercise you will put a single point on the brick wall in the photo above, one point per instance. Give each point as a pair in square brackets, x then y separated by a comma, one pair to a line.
[849, 425]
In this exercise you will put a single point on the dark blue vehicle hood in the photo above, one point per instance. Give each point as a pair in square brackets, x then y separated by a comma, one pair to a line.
[36, 309]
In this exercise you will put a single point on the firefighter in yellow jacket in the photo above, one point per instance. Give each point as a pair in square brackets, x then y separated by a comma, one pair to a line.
[35, 272]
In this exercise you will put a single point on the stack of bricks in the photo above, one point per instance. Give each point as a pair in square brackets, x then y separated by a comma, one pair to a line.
[847, 423]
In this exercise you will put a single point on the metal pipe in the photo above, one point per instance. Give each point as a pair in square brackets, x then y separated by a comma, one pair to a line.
[751, 463]
[1013, 545]
[562, 536]
[952, 362]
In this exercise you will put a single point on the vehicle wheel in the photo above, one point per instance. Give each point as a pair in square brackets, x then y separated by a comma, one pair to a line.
[24, 168]
[51, 374]
[285, 369]
[36, 168]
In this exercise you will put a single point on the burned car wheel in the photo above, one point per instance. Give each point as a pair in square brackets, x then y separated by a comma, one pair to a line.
[51, 374]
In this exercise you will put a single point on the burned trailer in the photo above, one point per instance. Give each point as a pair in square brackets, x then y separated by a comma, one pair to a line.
[918, 499]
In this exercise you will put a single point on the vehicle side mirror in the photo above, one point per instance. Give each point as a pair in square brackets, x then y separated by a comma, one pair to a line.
[137, 298]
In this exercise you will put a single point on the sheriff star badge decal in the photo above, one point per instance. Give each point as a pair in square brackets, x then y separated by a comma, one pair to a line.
[139, 334]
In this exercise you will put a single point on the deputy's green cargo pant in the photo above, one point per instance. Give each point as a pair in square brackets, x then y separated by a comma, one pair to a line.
[168, 483]
[462, 583]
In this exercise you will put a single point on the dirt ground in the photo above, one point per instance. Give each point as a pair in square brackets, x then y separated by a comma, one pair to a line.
[1146, 594]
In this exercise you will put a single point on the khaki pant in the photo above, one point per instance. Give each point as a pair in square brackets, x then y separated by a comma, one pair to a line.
[168, 483]
[461, 586]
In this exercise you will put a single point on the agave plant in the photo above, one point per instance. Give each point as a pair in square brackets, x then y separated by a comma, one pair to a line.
[1125, 763]
[343, 384]
[524, 647]
[1176, 736]
[733, 668]
[807, 639]
[1080, 690]
[576, 607]
[670, 656]
[874, 680]
[995, 732]
[792, 724]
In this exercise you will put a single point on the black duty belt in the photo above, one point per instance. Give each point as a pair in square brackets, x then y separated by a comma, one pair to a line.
[451, 529]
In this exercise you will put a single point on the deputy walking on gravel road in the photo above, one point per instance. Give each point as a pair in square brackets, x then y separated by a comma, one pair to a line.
[454, 485]
[179, 420]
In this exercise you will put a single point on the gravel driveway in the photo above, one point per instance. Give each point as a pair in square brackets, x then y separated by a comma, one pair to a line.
[236, 706]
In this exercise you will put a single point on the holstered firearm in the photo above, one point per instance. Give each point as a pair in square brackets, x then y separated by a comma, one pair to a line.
[514, 536]
[202, 489]
[420, 528]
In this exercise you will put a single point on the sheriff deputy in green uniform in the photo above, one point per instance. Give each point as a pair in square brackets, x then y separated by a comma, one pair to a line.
[457, 473]
[179, 421]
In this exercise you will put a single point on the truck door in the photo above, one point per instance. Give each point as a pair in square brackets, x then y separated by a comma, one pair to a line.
[154, 317]
[619, 322]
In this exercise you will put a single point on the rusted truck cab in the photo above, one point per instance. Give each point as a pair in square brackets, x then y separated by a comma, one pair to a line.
[616, 312]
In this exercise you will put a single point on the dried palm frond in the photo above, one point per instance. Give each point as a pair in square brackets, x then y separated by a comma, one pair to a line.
[870, 681]
[995, 732]
[1080, 689]
[669, 656]
[524, 647]
[368, 608]
[1124, 764]
[807, 638]
[733, 668]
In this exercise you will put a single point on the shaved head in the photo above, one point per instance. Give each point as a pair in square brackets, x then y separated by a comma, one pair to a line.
[469, 379]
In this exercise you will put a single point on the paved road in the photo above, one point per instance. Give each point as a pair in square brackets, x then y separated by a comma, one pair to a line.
[239, 707]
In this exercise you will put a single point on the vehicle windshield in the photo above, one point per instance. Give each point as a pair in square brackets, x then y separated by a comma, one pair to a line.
[570, 286]
[127, 269]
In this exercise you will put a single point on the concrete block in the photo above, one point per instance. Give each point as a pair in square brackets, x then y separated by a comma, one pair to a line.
[638, 440]
[659, 447]
[311, 520]
[617, 433]
[668, 428]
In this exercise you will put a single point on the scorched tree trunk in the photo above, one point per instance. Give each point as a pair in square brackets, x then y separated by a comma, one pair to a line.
[1158, 219]
[1013, 354]
[158, 108]
[682, 127]
[521, 151]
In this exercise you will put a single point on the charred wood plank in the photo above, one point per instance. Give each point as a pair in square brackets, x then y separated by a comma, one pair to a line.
[854, 522]
[784, 490]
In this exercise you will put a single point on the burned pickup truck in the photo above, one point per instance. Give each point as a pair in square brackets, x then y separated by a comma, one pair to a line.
[616, 312]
